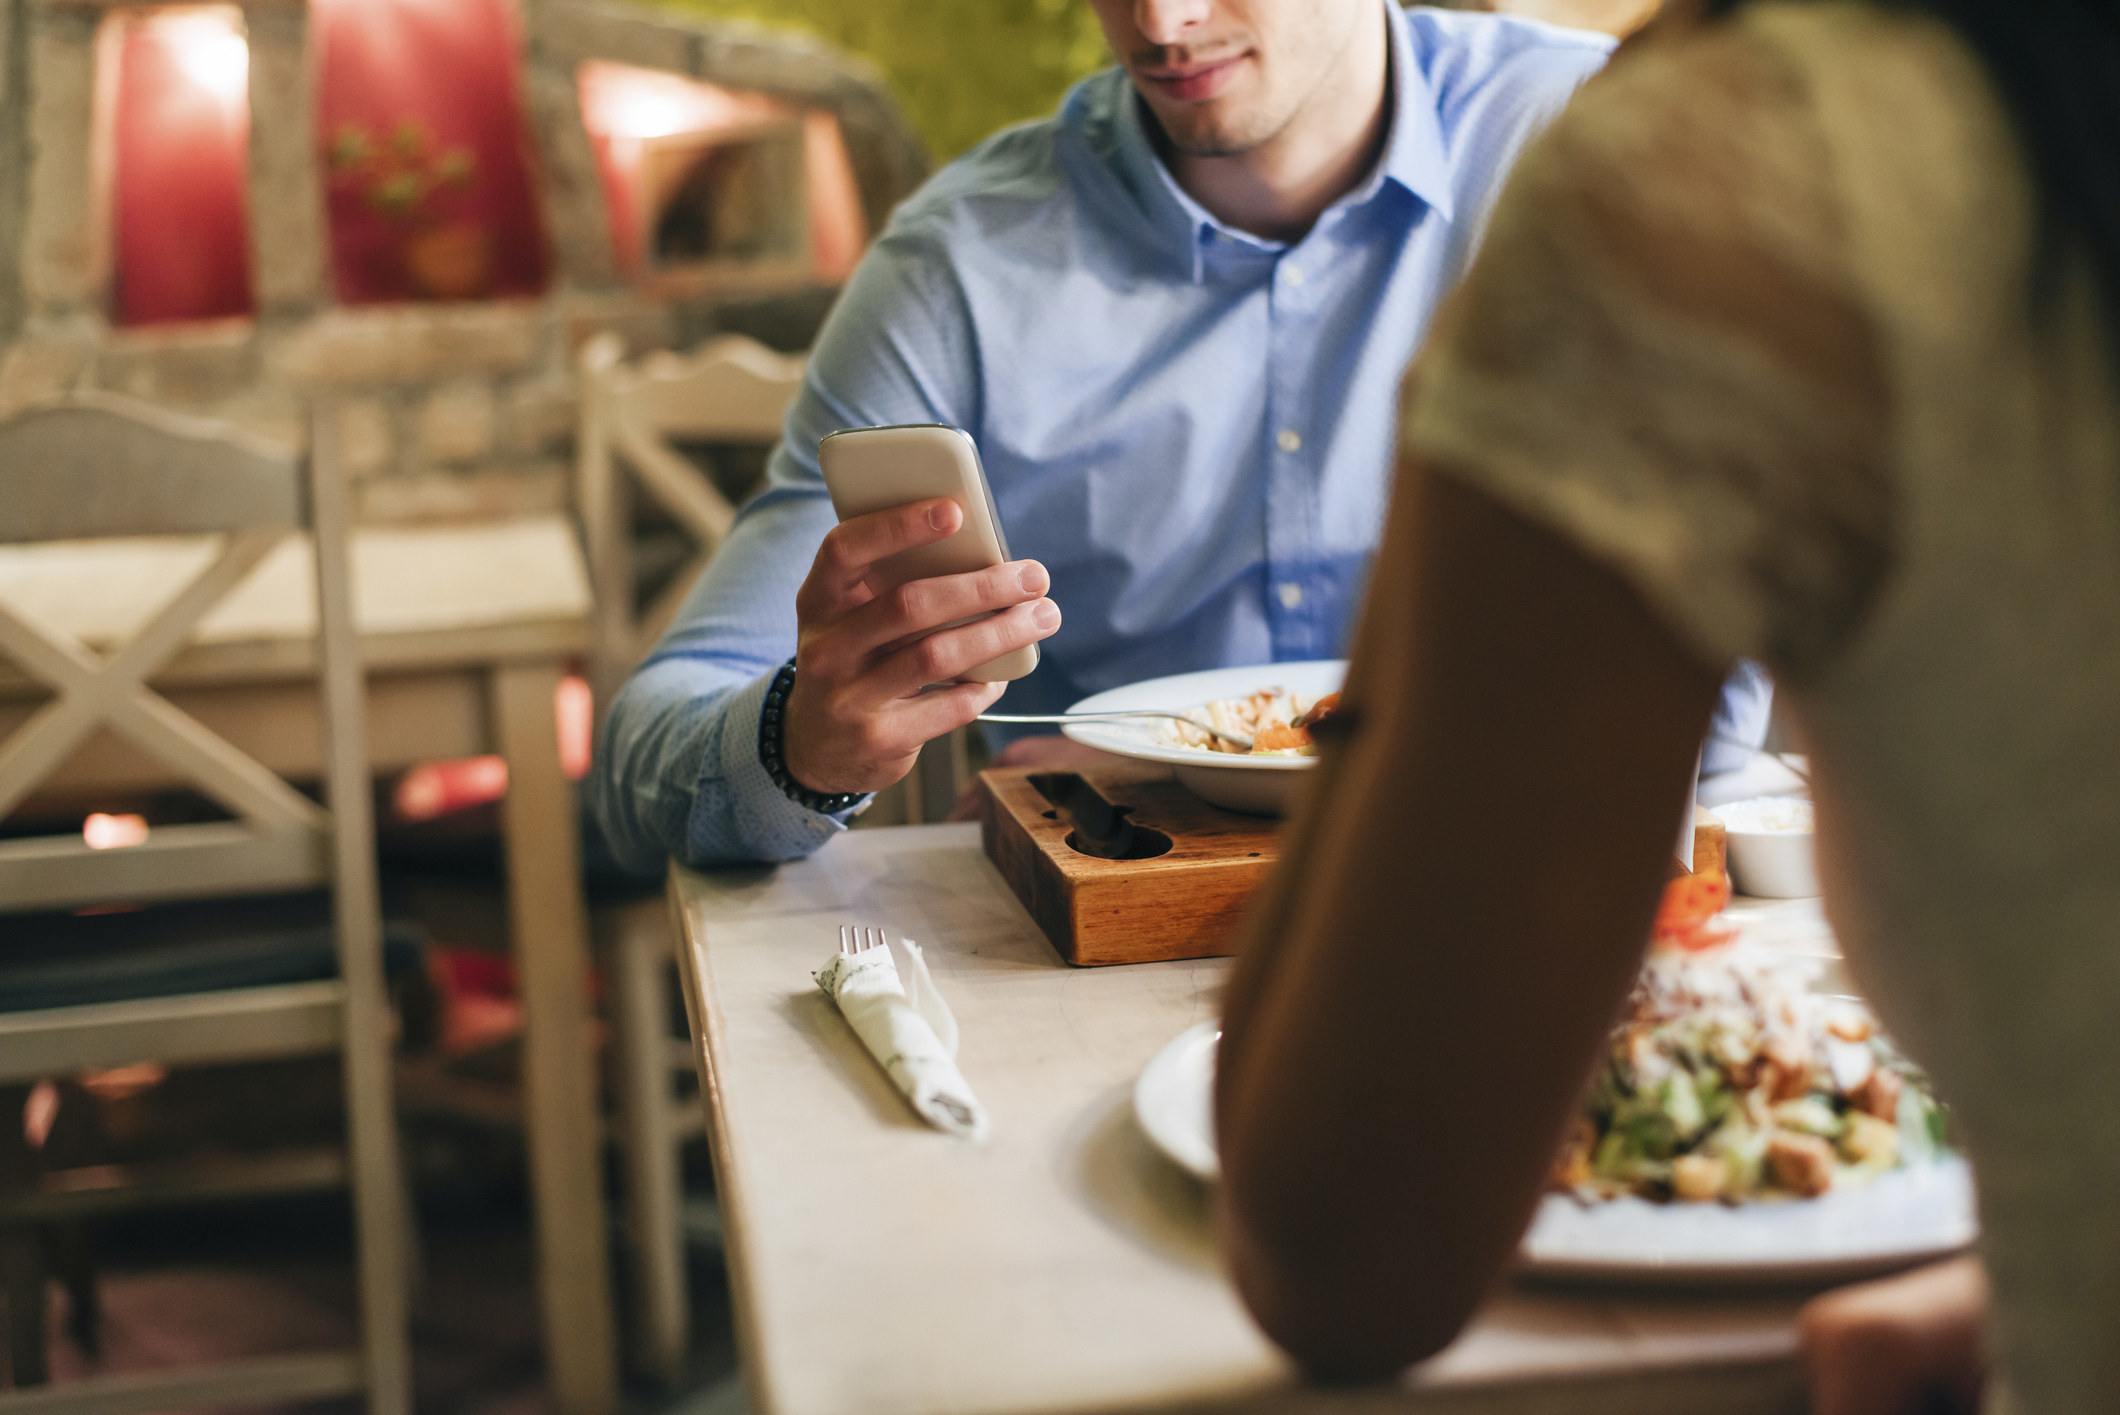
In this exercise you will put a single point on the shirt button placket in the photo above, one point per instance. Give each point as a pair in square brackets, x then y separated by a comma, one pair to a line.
[1290, 516]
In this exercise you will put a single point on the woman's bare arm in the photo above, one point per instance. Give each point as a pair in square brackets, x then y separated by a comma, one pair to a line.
[1459, 913]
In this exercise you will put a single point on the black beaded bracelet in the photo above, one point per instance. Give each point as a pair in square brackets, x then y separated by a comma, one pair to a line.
[771, 758]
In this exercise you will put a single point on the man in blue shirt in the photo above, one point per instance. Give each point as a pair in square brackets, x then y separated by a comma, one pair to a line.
[1173, 317]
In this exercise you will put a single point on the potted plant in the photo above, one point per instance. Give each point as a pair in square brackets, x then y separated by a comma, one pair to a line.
[405, 176]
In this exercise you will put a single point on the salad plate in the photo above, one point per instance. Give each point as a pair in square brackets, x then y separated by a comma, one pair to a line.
[1904, 1217]
[1256, 785]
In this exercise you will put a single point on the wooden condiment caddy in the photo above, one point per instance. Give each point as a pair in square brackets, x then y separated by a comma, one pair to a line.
[1183, 901]
[1190, 872]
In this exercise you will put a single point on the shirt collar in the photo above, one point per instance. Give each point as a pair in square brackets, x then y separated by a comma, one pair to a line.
[1413, 159]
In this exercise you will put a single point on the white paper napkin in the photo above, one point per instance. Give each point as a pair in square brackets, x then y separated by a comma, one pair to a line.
[910, 1031]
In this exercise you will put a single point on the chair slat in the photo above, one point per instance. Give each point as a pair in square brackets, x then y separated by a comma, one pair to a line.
[265, 1380]
[240, 1024]
[175, 862]
[675, 483]
[93, 693]
[71, 470]
[173, 626]
[160, 1184]
[732, 389]
[38, 748]
[224, 772]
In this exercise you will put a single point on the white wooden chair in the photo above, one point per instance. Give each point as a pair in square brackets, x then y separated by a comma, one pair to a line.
[731, 390]
[95, 467]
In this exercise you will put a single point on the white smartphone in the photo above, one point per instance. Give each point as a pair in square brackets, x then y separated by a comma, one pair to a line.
[870, 469]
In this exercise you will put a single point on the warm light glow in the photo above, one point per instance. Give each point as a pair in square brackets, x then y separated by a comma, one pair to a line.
[574, 707]
[636, 113]
[434, 789]
[119, 1082]
[102, 832]
[179, 140]
[624, 107]
[442, 788]
[210, 50]
[39, 1113]
[619, 101]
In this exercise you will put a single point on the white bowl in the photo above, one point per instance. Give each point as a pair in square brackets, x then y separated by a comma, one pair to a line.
[1769, 857]
[1259, 786]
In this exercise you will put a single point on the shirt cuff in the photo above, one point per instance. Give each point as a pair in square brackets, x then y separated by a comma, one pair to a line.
[766, 820]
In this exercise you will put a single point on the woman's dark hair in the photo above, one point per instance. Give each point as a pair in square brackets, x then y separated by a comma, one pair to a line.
[2056, 64]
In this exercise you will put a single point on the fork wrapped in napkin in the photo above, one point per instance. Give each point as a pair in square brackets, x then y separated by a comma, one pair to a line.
[906, 1026]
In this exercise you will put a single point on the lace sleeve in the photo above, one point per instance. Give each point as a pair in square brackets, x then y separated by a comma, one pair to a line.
[1660, 355]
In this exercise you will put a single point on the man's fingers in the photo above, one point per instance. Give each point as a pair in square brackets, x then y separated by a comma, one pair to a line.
[852, 548]
[858, 637]
[944, 710]
[949, 654]
[921, 606]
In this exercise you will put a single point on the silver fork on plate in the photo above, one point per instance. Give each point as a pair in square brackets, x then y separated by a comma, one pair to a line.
[859, 938]
[1235, 738]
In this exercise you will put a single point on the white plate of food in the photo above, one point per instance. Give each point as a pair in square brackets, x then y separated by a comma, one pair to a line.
[1619, 1221]
[1249, 699]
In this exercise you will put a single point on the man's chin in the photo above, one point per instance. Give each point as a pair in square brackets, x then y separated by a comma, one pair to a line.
[1206, 134]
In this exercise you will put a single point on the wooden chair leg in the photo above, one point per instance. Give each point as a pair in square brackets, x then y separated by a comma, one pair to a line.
[71, 1256]
[77, 1139]
[380, 1229]
[22, 1274]
[550, 928]
[639, 960]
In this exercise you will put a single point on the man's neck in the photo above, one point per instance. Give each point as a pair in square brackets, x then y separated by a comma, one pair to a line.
[1279, 189]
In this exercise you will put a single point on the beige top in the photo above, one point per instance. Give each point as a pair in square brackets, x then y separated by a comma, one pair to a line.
[1754, 326]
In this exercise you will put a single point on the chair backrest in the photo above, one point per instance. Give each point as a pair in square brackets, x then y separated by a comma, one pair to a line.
[730, 390]
[98, 466]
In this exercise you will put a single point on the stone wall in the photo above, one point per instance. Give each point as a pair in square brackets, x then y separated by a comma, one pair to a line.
[446, 410]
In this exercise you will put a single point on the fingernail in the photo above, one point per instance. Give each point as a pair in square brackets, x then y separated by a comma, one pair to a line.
[1045, 614]
[939, 516]
[1032, 578]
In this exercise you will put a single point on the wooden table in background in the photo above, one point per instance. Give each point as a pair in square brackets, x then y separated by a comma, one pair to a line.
[465, 634]
[881, 1268]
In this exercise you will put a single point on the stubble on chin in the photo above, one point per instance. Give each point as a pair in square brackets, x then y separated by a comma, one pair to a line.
[1231, 132]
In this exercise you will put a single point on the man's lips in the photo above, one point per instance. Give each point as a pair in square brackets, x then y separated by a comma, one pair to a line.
[1193, 83]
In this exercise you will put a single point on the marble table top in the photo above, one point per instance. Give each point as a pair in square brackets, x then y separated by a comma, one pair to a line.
[884, 1268]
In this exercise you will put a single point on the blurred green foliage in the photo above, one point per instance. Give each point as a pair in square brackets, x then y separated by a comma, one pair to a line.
[961, 68]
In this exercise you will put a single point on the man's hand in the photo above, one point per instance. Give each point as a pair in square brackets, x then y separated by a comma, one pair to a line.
[857, 716]
[1907, 1345]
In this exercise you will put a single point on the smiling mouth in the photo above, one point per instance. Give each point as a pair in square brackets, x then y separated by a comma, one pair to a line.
[1191, 83]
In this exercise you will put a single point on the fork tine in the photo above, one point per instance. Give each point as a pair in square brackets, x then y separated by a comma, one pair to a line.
[846, 944]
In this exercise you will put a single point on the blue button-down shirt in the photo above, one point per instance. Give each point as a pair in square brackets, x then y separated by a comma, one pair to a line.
[1189, 425]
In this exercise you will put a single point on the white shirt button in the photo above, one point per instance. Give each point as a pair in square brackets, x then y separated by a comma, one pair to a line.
[1290, 440]
[1294, 273]
[1291, 596]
